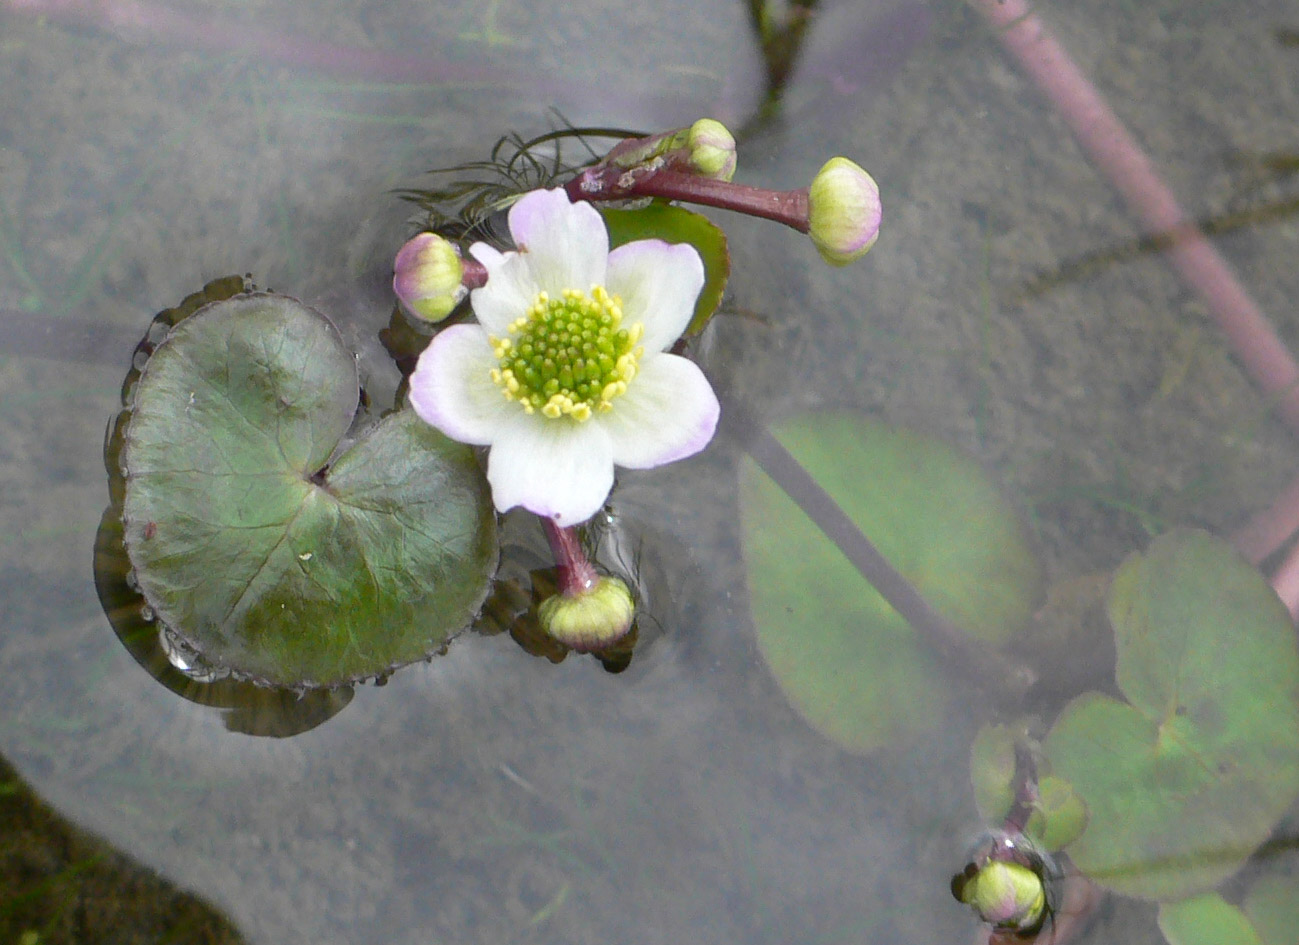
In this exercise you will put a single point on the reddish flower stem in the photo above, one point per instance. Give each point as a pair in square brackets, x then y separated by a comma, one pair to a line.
[1118, 156]
[606, 182]
[576, 573]
[474, 273]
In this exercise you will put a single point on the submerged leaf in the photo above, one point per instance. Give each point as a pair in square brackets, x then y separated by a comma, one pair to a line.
[844, 657]
[992, 771]
[1272, 905]
[266, 552]
[1184, 780]
[1206, 920]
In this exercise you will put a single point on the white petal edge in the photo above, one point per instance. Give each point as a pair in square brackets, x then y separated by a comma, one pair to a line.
[556, 468]
[659, 284]
[668, 413]
[509, 292]
[452, 389]
[487, 254]
[566, 244]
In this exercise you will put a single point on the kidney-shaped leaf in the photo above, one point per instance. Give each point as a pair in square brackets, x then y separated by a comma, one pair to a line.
[844, 657]
[1184, 780]
[265, 558]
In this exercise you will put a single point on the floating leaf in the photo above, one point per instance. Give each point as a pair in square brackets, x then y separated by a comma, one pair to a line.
[1206, 920]
[845, 658]
[1185, 779]
[674, 224]
[268, 553]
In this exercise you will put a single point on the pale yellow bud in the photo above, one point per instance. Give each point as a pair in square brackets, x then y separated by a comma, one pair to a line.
[712, 149]
[593, 620]
[843, 211]
[427, 276]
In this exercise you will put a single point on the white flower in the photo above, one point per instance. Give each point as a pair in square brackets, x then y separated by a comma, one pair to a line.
[566, 374]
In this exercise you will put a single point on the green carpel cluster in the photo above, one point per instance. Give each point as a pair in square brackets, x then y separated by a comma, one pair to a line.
[568, 356]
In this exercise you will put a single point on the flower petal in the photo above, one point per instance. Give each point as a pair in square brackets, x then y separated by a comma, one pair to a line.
[487, 254]
[566, 244]
[509, 292]
[557, 468]
[659, 284]
[668, 413]
[452, 389]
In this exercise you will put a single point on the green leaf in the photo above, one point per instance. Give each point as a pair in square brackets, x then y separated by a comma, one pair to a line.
[674, 224]
[1206, 920]
[1272, 905]
[267, 552]
[1184, 780]
[1060, 815]
[845, 659]
[992, 771]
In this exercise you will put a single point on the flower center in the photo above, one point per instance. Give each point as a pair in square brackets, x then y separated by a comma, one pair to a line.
[569, 356]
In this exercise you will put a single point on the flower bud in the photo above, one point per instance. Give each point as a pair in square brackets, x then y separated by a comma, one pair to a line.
[427, 277]
[1006, 895]
[712, 149]
[592, 620]
[843, 211]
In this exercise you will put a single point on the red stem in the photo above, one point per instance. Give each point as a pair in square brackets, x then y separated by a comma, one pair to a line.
[1118, 156]
[576, 573]
[473, 274]
[605, 182]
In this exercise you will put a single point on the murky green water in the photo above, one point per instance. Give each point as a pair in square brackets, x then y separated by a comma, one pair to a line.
[490, 796]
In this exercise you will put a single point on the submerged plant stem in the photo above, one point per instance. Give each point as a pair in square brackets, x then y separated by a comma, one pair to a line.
[1002, 676]
[1113, 150]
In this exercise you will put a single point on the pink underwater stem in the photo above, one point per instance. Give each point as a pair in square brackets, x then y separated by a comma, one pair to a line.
[1103, 137]
[1286, 582]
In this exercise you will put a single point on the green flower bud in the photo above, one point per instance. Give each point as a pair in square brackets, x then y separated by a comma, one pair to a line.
[843, 211]
[593, 620]
[712, 149]
[1007, 895]
[427, 277]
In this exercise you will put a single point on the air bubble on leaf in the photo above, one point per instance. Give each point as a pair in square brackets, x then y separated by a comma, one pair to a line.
[186, 659]
[146, 613]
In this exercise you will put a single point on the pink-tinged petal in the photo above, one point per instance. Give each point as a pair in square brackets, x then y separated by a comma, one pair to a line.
[452, 389]
[557, 468]
[668, 413]
[509, 292]
[566, 244]
[659, 284]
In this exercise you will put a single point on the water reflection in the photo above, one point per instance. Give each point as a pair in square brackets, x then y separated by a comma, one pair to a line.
[247, 708]
[488, 796]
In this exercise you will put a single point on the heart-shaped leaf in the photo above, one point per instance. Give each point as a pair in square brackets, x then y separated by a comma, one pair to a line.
[1184, 780]
[844, 657]
[674, 224]
[267, 552]
[1206, 920]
